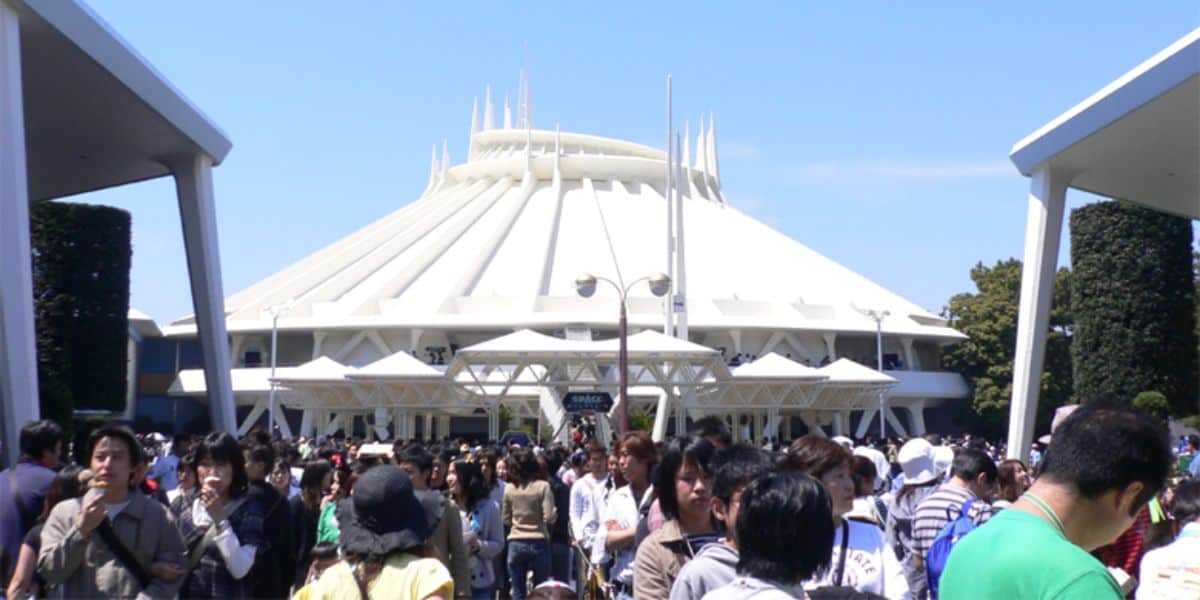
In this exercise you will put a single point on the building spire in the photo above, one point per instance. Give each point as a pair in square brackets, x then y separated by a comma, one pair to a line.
[557, 155]
[711, 152]
[687, 146]
[445, 157]
[433, 169]
[528, 152]
[701, 145]
[489, 121]
[507, 113]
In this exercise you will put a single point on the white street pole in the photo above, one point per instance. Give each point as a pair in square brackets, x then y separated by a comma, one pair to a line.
[271, 399]
[879, 366]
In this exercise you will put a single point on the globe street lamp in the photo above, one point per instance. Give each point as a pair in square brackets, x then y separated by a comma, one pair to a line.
[585, 286]
[878, 317]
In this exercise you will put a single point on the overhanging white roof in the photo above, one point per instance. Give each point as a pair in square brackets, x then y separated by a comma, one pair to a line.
[97, 114]
[320, 370]
[399, 366]
[190, 382]
[846, 371]
[774, 366]
[1136, 139]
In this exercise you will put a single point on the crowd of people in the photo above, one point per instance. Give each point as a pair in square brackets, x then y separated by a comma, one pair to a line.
[1107, 509]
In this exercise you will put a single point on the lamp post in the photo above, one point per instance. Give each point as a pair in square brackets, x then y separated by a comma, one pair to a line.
[878, 317]
[585, 285]
[275, 311]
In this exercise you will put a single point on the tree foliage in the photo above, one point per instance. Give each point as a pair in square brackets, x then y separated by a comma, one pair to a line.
[1153, 403]
[1134, 299]
[989, 318]
[81, 259]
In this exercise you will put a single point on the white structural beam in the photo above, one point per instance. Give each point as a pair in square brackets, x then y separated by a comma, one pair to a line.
[18, 364]
[1043, 231]
[198, 213]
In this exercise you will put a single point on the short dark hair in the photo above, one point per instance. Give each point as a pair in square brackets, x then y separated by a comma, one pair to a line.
[816, 456]
[263, 455]
[119, 432]
[38, 437]
[470, 478]
[1186, 505]
[595, 447]
[862, 470]
[712, 426]
[735, 466]
[220, 447]
[678, 452]
[523, 467]
[1102, 447]
[1193, 440]
[968, 464]
[554, 460]
[417, 455]
[784, 528]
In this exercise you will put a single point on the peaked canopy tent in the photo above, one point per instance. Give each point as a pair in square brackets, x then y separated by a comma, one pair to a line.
[406, 385]
[80, 111]
[1136, 139]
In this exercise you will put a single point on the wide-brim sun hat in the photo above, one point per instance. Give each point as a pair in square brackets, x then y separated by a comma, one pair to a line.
[383, 515]
[943, 459]
[916, 459]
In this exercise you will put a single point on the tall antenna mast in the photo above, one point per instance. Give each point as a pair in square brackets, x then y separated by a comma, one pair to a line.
[669, 320]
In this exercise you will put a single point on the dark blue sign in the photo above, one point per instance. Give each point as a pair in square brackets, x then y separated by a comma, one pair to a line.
[581, 401]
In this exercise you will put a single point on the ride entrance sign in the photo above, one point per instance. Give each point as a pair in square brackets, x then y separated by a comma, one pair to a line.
[585, 401]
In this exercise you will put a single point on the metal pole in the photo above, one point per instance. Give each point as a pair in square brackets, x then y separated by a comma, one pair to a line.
[271, 398]
[623, 365]
[879, 366]
[669, 323]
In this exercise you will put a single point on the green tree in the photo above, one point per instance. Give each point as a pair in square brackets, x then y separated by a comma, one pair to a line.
[989, 318]
[1153, 403]
[81, 259]
[1134, 300]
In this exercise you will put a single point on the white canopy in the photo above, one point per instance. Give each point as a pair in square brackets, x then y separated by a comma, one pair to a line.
[399, 366]
[191, 382]
[774, 366]
[846, 371]
[320, 370]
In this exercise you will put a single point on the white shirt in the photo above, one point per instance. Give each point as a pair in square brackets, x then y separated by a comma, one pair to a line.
[871, 565]
[238, 558]
[624, 510]
[584, 516]
[1173, 571]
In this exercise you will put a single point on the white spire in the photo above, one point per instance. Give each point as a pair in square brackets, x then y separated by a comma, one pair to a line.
[507, 113]
[489, 121]
[711, 152]
[474, 129]
[701, 159]
[445, 157]
[522, 100]
[433, 169]
[687, 146]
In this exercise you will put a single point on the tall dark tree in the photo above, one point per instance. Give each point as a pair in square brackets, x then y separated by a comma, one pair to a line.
[1133, 294]
[989, 318]
[81, 259]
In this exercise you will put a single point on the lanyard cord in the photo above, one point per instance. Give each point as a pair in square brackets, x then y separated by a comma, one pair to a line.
[1049, 512]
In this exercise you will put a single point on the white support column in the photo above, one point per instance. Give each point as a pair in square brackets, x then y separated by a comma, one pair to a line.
[306, 423]
[198, 212]
[260, 407]
[786, 434]
[661, 415]
[916, 413]
[681, 413]
[18, 351]
[830, 345]
[318, 342]
[839, 425]
[428, 427]
[895, 422]
[910, 357]
[864, 422]
[1043, 230]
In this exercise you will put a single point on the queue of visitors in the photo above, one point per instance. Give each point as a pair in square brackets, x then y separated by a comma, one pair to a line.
[1110, 511]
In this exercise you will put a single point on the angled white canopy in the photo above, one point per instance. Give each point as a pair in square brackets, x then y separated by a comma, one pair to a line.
[847, 372]
[399, 366]
[774, 366]
[319, 370]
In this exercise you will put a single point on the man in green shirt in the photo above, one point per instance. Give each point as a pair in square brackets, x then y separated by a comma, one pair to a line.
[1102, 467]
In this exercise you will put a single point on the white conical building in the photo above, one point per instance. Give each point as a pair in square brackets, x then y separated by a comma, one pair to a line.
[495, 244]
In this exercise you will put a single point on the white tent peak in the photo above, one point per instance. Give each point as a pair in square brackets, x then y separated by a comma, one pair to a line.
[400, 364]
[774, 366]
[844, 370]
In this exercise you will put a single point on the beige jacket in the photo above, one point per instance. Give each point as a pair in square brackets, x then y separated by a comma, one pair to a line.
[448, 539]
[659, 558]
[528, 510]
[85, 566]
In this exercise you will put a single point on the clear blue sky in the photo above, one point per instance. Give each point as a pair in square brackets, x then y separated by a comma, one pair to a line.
[875, 133]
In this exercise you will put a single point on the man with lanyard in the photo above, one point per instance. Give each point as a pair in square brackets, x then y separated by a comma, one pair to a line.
[23, 487]
[1102, 467]
[585, 518]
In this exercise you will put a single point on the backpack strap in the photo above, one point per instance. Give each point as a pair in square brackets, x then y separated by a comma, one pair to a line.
[841, 567]
[123, 554]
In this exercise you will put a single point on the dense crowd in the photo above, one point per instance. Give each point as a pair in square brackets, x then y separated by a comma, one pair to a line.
[1106, 509]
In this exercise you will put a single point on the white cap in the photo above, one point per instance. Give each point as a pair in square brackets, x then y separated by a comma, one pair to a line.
[916, 458]
[943, 459]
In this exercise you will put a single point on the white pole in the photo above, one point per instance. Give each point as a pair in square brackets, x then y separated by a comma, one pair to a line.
[271, 400]
[681, 321]
[879, 367]
[669, 321]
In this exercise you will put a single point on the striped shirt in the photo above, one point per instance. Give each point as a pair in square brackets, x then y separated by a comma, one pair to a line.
[940, 508]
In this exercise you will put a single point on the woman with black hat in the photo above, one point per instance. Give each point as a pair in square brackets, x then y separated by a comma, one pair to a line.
[383, 529]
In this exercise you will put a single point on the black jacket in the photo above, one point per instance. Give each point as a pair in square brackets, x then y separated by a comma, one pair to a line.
[275, 562]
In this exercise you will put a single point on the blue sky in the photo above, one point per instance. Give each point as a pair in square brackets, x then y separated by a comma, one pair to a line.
[875, 133]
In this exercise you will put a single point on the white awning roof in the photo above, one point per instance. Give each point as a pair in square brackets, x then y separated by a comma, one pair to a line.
[774, 366]
[400, 365]
[190, 382]
[846, 371]
[1136, 139]
[320, 370]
